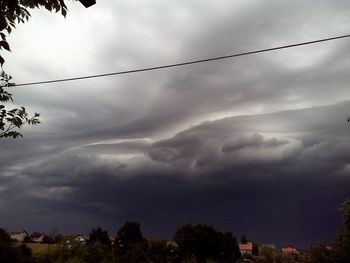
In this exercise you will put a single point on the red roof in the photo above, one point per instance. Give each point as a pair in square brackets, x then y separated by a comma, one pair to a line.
[290, 250]
[37, 235]
[246, 247]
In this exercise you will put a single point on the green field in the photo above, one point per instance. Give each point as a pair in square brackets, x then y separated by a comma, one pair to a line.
[40, 248]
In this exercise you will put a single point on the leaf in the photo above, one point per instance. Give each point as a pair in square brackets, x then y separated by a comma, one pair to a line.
[2, 60]
[5, 45]
[64, 12]
[13, 134]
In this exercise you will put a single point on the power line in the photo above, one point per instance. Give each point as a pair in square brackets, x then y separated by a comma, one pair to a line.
[183, 63]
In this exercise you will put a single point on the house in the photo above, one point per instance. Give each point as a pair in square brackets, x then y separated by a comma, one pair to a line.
[80, 239]
[19, 236]
[290, 250]
[37, 237]
[246, 248]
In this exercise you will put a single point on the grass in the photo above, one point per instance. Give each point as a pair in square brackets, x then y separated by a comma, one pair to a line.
[38, 249]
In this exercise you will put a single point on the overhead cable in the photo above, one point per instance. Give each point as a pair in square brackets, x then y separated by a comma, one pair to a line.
[182, 63]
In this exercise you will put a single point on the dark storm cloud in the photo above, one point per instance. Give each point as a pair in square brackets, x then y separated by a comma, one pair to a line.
[227, 173]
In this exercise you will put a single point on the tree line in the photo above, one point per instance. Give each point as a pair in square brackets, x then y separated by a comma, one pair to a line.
[191, 244]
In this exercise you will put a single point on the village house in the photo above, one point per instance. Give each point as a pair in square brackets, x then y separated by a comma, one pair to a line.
[246, 248]
[19, 236]
[37, 237]
[80, 239]
[290, 250]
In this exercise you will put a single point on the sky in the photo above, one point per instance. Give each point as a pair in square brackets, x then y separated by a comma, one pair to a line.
[256, 145]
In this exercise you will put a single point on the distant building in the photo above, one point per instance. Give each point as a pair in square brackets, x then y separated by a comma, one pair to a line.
[80, 239]
[37, 237]
[290, 250]
[19, 236]
[246, 248]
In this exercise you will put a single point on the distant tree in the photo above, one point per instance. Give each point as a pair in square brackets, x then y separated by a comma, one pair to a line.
[158, 251]
[4, 237]
[261, 259]
[255, 249]
[203, 242]
[228, 249]
[99, 236]
[96, 253]
[27, 239]
[200, 241]
[268, 253]
[8, 253]
[344, 210]
[284, 258]
[129, 236]
[319, 254]
[48, 240]
[342, 243]
[58, 238]
[136, 254]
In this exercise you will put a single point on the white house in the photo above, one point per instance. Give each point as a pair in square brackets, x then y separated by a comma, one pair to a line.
[37, 237]
[246, 248]
[19, 236]
[80, 239]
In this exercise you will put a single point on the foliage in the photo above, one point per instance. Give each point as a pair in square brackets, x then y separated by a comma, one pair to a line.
[12, 120]
[99, 235]
[267, 253]
[4, 237]
[342, 243]
[13, 12]
[344, 210]
[262, 259]
[319, 254]
[284, 258]
[204, 243]
[8, 252]
[158, 251]
[129, 236]
[48, 240]
[96, 253]
[229, 249]
[136, 254]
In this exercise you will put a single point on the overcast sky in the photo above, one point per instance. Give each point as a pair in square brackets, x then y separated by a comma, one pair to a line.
[257, 145]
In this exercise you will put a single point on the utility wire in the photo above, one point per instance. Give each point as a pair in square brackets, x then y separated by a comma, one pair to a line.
[183, 63]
